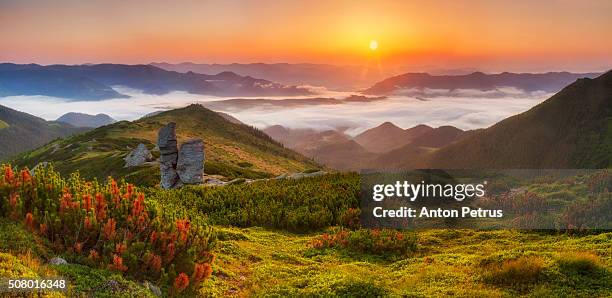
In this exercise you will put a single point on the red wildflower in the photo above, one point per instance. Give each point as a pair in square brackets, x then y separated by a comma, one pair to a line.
[8, 174]
[170, 251]
[138, 205]
[118, 263]
[120, 248]
[153, 237]
[93, 254]
[86, 202]
[87, 223]
[201, 272]
[29, 220]
[109, 228]
[65, 201]
[181, 282]
[155, 263]
[183, 228]
[100, 207]
[25, 176]
[115, 192]
[130, 189]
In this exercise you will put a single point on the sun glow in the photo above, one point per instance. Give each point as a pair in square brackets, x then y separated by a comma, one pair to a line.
[373, 45]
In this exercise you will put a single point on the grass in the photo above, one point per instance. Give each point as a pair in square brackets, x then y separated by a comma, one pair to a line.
[3, 124]
[261, 262]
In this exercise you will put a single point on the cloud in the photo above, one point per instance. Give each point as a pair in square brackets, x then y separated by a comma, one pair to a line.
[466, 109]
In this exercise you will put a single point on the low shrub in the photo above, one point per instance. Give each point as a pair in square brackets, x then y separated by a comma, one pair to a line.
[297, 205]
[600, 182]
[516, 272]
[350, 218]
[590, 213]
[580, 263]
[375, 241]
[107, 225]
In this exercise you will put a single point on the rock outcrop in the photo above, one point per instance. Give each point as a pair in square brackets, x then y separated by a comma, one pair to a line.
[138, 156]
[190, 163]
[178, 167]
[166, 141]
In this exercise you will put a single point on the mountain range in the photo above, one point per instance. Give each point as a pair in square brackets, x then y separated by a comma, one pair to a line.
[333, 77]
[21, 132]
[86, 120]
[96, 82]
[572, 129]
[368, 150]
[548, 82]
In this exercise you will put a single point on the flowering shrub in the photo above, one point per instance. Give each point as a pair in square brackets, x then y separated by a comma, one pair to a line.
[108, 225]
[375, 241]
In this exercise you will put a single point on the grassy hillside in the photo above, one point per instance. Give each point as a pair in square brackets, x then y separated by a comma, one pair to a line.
[572, 129]
[20, 132]
[232, 150]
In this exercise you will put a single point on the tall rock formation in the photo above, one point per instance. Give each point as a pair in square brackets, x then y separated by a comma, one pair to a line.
[178, 167]
[166, 141]
[190, 164]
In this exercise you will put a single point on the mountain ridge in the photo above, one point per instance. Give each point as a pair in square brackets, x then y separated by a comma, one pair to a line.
[86, 120]
[548, 82]
[95, 81]
[20, 131]
[571, 129]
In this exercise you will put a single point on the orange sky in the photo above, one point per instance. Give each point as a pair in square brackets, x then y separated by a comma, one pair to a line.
[488, 35]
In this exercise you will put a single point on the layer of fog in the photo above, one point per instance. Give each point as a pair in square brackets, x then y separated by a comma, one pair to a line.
[466, 109]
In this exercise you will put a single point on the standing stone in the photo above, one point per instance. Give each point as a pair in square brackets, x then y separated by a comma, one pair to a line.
[138, 156]
[166, 141]
[190, 165]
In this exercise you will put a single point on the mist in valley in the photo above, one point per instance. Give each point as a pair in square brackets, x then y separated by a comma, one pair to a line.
[465, 109]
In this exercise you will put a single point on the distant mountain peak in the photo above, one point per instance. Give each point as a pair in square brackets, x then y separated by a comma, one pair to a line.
[86, 120]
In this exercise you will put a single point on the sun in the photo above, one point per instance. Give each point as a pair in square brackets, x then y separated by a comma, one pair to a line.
[373, 44]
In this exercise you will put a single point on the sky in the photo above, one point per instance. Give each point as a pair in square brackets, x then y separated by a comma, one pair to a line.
[517, 35]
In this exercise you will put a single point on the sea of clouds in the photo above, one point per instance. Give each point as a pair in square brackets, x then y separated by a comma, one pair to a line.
[465, 109]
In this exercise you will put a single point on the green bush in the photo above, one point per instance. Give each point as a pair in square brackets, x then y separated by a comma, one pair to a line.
[370, 241]
[298, 205]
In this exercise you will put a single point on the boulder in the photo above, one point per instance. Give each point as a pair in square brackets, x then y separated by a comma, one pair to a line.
[138, 156]
[166, 141]
[190, 163]
[57, 261]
